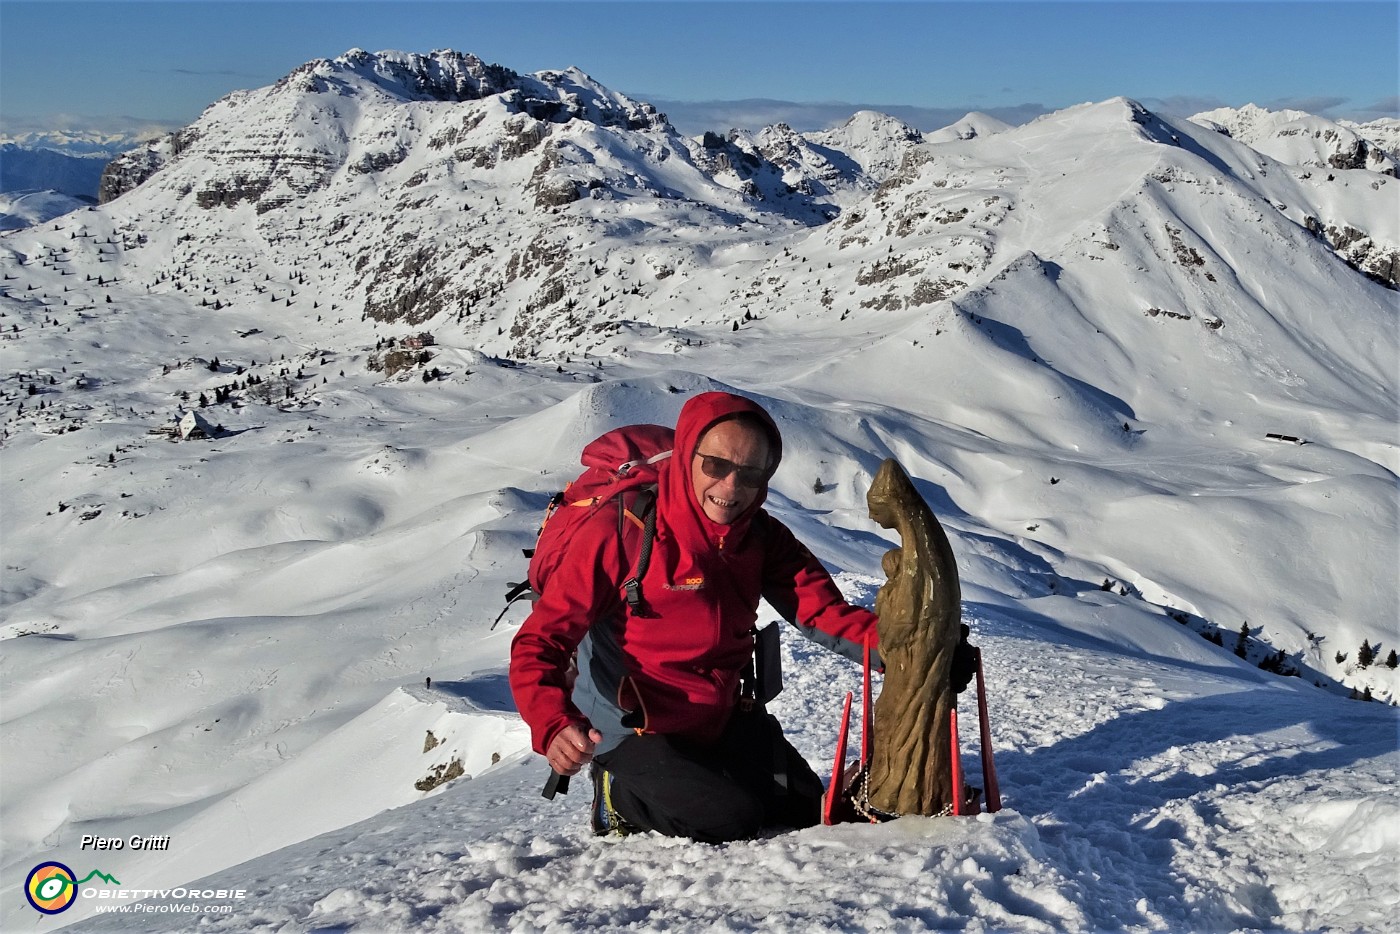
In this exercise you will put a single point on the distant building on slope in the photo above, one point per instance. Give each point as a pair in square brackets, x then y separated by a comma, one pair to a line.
[193, 426]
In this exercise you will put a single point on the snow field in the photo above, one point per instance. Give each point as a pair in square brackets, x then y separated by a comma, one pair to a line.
[1140, 796]
[272, 708]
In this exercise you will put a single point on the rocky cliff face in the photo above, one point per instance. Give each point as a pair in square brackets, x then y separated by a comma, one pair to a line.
[128, 171]
[131, 169]
[450, 185]
[1299, 138]
[1360, 251]
[1384, 133]
[265, 147]
[443, 75]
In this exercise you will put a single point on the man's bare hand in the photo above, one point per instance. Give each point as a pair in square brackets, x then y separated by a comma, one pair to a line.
[572, 749]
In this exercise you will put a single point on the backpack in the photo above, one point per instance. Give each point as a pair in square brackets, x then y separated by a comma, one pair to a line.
[621, 467]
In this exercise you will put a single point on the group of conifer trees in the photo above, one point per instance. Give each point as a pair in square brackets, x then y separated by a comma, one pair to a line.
[1366, 656]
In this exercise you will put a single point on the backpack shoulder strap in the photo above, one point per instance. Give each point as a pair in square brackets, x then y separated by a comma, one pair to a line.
[644, 508]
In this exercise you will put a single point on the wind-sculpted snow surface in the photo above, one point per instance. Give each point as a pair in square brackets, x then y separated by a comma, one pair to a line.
[1141, 796]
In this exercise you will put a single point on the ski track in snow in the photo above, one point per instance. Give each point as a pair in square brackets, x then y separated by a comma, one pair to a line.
[1138, 796]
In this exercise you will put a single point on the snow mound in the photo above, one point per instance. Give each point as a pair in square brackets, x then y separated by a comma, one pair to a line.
[19, 209]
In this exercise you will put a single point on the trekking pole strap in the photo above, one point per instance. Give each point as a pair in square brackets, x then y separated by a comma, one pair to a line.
[517, 591]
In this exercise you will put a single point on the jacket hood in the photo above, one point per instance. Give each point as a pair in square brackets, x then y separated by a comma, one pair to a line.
[679, 505]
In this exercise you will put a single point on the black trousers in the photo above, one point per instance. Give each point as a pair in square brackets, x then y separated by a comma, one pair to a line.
[750, 779]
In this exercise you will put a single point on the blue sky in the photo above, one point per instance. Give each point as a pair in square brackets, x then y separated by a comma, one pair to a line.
[721, 64]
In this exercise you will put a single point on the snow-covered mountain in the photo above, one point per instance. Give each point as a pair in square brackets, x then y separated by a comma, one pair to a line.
[39, 170]
[103, 144]
[46, 175]
[27, 208]
[971, 126]
[875, 142]
[1145, 372]
[1299, 138]
[1385, 133]
[42, 169]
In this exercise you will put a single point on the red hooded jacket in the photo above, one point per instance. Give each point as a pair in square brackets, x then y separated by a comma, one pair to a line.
[675, 667]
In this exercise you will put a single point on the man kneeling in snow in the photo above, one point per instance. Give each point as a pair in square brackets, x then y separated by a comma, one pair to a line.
[657, 703]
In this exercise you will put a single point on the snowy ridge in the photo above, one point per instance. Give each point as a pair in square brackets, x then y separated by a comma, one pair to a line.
[23, 169]
[1385, 133]
[971, 126]
[1078, 336]
[1299, 138]
[20, 209]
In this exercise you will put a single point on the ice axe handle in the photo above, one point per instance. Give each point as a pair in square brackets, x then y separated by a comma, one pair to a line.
[557, 784]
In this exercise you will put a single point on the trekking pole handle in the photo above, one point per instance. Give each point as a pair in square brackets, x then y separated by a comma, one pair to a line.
[558, 783]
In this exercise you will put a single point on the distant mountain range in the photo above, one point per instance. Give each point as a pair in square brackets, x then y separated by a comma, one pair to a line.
[46, 174]
[100, 144]
[24, 169]
[1299, 138]
[449, 137]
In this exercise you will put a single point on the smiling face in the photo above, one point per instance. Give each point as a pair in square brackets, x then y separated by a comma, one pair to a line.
[725, 499]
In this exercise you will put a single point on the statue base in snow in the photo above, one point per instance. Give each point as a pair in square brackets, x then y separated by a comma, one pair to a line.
[909, 761]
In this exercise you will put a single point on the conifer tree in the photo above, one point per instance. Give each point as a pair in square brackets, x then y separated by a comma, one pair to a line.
[1390, 660]
[1243, 640]
[1365, 655]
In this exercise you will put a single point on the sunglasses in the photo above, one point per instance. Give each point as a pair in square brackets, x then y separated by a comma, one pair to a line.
[717, 468]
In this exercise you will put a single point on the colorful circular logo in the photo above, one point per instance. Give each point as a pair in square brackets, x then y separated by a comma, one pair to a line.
[51, 887]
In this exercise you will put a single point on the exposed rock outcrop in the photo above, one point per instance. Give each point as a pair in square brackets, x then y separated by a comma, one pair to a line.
[1360, 251]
